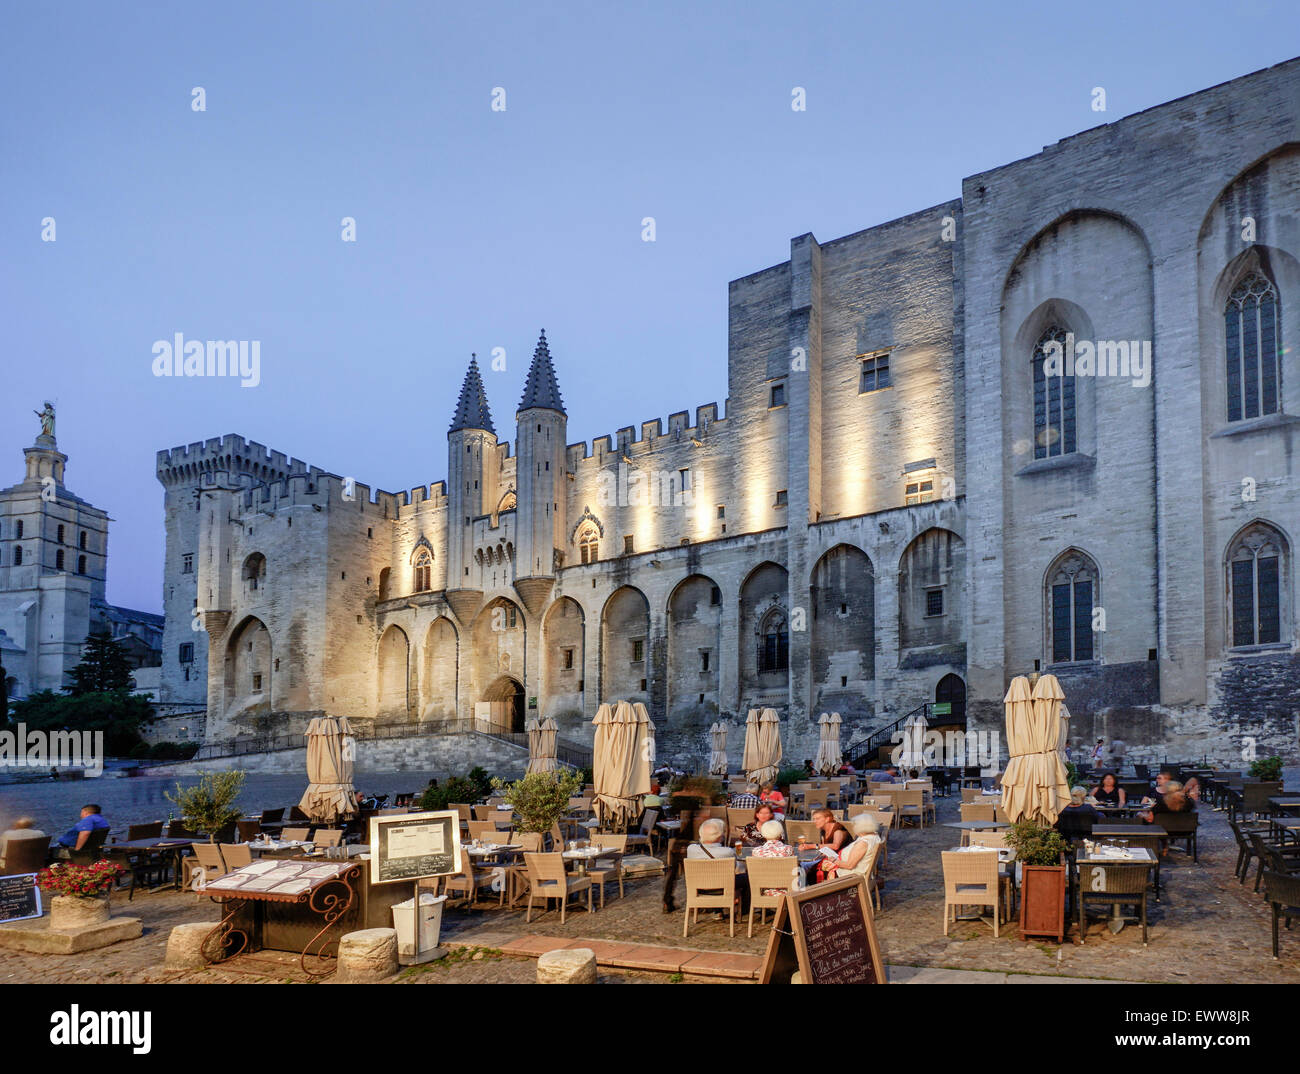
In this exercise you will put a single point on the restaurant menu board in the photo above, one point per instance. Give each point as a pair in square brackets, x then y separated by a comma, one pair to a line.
[827, 934]
[20, 898]
[414, 845]
[274, 877]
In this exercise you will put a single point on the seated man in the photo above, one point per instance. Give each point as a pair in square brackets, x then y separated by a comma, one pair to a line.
[710, 844]
[1173, 801]
[1076, 820]
[76, 837]
[747, 799]
[890, 775]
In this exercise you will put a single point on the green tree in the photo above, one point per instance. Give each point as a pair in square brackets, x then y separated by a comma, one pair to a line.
[117, 714]
[210, 805]
[104, 668]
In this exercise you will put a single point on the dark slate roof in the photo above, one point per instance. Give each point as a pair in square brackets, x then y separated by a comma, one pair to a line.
[472, 410]
[542, 389]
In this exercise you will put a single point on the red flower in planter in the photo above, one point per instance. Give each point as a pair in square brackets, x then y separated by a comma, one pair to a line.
[97, 878]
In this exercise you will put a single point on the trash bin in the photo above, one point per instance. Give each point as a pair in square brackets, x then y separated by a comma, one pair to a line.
[429, 922]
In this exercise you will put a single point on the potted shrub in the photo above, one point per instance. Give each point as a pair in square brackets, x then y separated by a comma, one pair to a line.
[459, 789]
[80, 893]
[1041, 854]
[540, 798]
[210, 805]
[1266, 769]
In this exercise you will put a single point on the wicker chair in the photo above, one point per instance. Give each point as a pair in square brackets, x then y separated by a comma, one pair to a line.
[710, 885]
[1181, 827]
[1120, 883]
[144, 831]
[93, 851]
[1148, 842]
[910, 805]
[176, 830]
[977, 811]
[970, 794]
[295, 835]
[988, 839]
[472, 879]
[206, 864]
[802, 831]
[1255, 798]
[548, 880]
[644, 837]
[1283, 895]
[248, 829]
[485, 812]
[971, 880]
[235, 855]
[25, 856]
[482, 829]
[608, 867]
[328, 837]
[1245, 851]
[767, 875]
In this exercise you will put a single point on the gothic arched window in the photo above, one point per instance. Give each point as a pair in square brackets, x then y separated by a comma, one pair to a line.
[589, 544]
[423, 571]
[254, 571]
[773, 642]
[1255, 586]
[1072, 593]
[1252, 322]
[1054, 406]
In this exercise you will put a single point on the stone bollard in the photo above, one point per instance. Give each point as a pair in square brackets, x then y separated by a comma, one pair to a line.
[575, 965]
[184, 945]
[367, 955]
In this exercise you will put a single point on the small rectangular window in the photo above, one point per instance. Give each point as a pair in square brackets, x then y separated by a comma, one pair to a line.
[875, 372]
[186, 652]
[187, 561]
[934, 602]
[704, 659]
[638, 651]
[257, 681]
[715, 596]
[781, 498]
[918, 492]
[722, 511]
[627, 544]
[568, 659]
[777, 396]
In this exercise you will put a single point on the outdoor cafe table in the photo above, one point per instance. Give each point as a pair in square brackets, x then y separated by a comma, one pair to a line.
[584, 856]
[299, 903]
[965, 826]
[1135, 854]
[278, 847]
[1289, 825]
[1286, 805]
[1123, 830]
[150, 846]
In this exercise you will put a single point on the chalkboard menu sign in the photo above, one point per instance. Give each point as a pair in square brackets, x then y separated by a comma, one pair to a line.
[414, 845]
[20, 898]
[826, 934]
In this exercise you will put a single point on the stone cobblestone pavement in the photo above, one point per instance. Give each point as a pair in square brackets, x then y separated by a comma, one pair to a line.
[1207, 927]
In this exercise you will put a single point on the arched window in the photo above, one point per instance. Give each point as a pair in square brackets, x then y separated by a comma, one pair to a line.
[1072, 592]
[1252, 322]
[773, 642]
[18, 529]
[589, 544]
[423, 571]
[81, 541]
[507, 502]
[60, 534]
[81, 564]
[384, 575]
[1054, 410]
[254, 571]
[1255, 586]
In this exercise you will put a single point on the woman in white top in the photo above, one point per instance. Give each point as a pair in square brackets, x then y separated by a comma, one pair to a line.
[860, 855]
[710, 844]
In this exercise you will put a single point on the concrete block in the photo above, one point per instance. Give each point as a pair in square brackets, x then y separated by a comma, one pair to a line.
[571, 965]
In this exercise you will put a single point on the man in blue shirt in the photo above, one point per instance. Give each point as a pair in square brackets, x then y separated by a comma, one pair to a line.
[78, 835]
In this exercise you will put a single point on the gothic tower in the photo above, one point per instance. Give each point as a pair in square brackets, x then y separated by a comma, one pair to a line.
[472, 469]
[539, 476]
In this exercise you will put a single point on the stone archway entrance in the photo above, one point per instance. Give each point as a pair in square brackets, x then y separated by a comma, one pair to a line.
[504, 702]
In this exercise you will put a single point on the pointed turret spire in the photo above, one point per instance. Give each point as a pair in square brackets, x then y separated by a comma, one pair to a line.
[472, 410]
[542, 389]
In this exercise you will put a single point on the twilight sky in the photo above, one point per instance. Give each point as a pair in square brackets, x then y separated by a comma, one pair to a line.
[475, 227]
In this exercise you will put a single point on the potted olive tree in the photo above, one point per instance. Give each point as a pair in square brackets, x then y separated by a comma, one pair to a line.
[540, 798]
[209, 805]
[1041, 854]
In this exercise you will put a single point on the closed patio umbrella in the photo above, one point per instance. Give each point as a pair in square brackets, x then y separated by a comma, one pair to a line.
[912, 750]
[837, 758]
[823, 763]
[330, 796]
[1034, 786]
[541, 745]
[718, 758]
[749, 757]
[648, 731]
[621, 770]
[767, 751]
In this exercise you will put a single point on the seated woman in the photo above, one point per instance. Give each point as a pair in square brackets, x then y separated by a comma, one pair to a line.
[1109, 792]
[773, 797]
[774, 844]
[751, 834]
[1192, 788]
[860, 855]
[1175, 800]
[834, 836]
[1076, 819]
[710, 844]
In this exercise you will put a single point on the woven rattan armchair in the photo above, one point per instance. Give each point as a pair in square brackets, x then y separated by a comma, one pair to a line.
[710, 885]
[548, 880]
[1112, 883]
[767, 875]
[971, 879]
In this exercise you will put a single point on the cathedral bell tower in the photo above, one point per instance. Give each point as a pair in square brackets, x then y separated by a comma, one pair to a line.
[541, 492]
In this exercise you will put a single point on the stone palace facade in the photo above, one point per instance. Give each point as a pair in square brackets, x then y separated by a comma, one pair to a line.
[1051, 424]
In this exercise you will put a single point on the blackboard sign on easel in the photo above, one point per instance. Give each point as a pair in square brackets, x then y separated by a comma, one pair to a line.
[20, 898]
[826, 934]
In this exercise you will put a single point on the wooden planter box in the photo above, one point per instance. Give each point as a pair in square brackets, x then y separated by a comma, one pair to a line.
[1042, 901]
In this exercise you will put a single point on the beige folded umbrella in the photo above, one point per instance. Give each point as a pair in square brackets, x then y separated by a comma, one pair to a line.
[621, 769]
[648, 734]
[837, 758]
[749, 759]
[718, 758]
[767, 752]
[1034, 786]
[822, 762]
[912, 751]
[330, 796]
[541, 745]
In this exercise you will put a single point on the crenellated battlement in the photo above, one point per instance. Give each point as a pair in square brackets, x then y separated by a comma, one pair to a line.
[652, 437]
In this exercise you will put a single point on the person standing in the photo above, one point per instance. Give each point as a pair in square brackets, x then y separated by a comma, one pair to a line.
[1099, 754]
